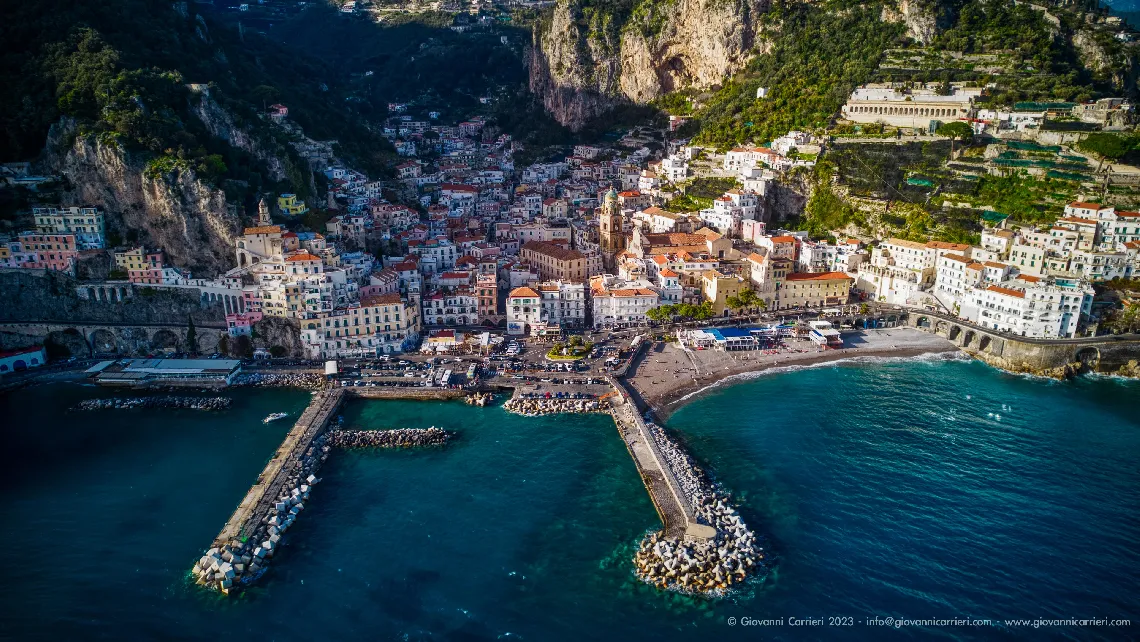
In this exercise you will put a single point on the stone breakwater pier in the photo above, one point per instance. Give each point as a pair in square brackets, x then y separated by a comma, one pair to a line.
[162, 401]
[242, 550]
[704, 547]
[249, 539]
[399, 438]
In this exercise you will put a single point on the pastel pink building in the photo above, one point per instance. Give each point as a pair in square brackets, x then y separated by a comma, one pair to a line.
[239, 324]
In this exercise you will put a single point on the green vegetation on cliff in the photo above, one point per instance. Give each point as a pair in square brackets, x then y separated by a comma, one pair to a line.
[819, 53]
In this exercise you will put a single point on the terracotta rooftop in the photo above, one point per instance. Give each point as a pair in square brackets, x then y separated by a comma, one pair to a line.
[523, 291]
[304, 256]
[1006, 291]
[381, 299]
[817, 276]
[263, 229]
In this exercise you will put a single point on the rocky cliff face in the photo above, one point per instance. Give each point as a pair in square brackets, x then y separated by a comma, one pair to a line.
[273, 332]
[1105, 61]
[923, 18]
[187, 218]
[221, 125]
[582, 63]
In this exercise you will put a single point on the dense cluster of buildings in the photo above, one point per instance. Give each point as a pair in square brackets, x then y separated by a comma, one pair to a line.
[1031, 282]
[462, 239]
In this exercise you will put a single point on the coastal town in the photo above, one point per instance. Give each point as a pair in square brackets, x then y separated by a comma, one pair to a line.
[570, 319]
[462, 246]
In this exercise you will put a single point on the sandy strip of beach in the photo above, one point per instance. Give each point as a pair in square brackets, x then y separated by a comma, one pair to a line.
[667, 375]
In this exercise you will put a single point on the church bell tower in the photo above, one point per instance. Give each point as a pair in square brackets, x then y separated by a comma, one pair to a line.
[611, 232]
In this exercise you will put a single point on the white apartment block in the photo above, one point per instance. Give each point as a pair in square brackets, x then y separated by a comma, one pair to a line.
[617, 301]
[1030, 307]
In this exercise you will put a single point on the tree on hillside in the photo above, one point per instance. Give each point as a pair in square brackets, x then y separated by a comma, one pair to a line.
[1104, 147]
[956, 130]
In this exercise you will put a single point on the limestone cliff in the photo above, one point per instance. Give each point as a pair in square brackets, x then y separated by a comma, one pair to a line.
[1106, 58]
[585, 59]
[923, 18]
[175, 211]
[221, 124]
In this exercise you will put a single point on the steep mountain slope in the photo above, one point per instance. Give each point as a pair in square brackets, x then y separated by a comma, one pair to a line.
[589, 55]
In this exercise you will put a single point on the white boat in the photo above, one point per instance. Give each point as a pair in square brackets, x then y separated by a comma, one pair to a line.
[274, 417]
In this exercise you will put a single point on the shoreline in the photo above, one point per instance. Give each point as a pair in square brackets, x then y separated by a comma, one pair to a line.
[665, 397]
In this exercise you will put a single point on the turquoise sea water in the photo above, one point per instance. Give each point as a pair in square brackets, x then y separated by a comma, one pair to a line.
[885, 490]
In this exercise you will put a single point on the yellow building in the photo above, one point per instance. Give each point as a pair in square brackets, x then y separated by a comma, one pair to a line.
[814, 289]
[717, 288]
[290, 205]
[134, 259]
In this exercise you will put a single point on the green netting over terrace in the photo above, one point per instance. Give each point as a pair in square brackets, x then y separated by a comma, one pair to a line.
[1032, 106]
[1030, 146]
[993, 217]
[1069, 176]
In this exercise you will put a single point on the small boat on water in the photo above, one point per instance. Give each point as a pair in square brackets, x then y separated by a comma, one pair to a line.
[274, 417]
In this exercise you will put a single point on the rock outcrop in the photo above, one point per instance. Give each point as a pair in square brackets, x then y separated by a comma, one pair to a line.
[923, 18]
[583, 61]
[184, 216]
[273, 332]
[221, 124]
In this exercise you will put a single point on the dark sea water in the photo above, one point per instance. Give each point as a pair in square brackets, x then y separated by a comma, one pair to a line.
[884, 490]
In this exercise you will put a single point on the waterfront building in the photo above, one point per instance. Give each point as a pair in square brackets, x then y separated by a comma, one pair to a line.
[717, 287]
[617, 301]
[166, 372]
[811, 290]
[22, 358]
[524, 309]
[1030, 306]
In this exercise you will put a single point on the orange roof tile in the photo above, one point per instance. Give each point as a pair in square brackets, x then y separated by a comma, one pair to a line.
[263, 229]
[1006, 291]
[523, 291]
[818, 276]
[304, 256]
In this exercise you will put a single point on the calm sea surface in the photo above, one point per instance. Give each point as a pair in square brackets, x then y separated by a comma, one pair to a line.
[907, 489]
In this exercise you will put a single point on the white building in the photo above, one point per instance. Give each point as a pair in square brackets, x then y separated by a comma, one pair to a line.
[616, 301]
[1030, 307]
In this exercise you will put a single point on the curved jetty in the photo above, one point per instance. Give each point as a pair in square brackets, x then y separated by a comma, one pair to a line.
[399, 438]
[704, 546]
[163, 401]
[241, 552]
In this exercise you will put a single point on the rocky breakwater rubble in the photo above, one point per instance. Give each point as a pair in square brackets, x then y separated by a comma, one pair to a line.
[690, 566]
[241, 561]
[534, 406]
[399, 438]
[309, 380]
[479, 399]
[163, 401]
